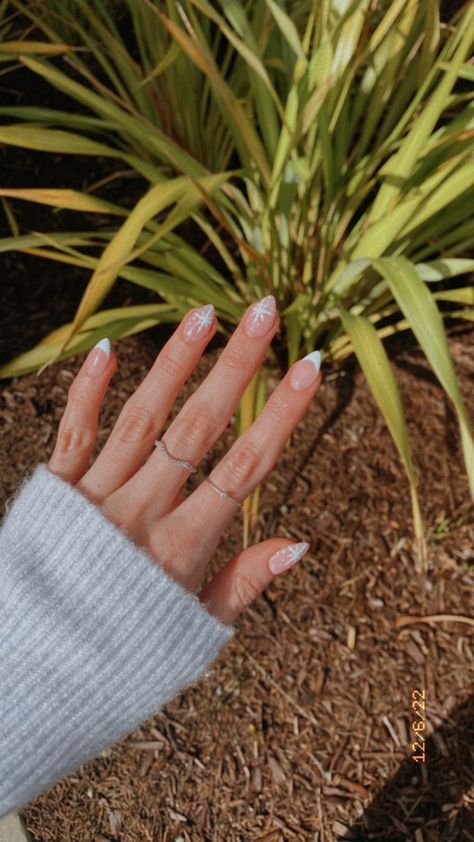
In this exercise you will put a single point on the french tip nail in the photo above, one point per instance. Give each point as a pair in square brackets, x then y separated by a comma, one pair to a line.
[315, 357]
[104, 344]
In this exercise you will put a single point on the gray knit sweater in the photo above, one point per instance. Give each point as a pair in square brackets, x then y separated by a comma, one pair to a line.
[94, 636]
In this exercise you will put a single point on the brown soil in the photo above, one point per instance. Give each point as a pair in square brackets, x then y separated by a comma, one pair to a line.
[302, 731]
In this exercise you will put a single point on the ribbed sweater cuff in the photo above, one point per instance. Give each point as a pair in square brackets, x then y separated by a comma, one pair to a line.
[94, 636]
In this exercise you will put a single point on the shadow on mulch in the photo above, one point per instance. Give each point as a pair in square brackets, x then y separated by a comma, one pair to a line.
[415, 798]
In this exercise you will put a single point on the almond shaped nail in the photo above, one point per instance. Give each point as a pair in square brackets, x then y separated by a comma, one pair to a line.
[287, 557]
[198, 323]
[305, 371]
[261, 317]
[98, 358]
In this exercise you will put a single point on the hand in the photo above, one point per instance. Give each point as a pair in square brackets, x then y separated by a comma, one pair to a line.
[138, 488]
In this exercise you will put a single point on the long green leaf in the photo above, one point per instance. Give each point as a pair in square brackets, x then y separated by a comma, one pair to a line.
[464, 295]
[287, 28]
[39, 47]
[114, 323]
[54, 140]
[444, 267]
[376, 367]
[39, 115]
[119, 251]
[419, 307]
[20, 243]
[67, 199]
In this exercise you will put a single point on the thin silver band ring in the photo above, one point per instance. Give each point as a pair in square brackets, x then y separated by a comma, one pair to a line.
[223, 494]
[183, 464]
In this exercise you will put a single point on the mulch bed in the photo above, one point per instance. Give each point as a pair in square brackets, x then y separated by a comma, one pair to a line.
[302, 731]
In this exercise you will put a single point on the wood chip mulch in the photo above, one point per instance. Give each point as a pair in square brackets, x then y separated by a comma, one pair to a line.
[303, 728]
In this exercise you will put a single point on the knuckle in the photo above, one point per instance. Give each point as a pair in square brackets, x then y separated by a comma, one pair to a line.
[245, 462]
[278, 409]
[135, 424]
[170, 362]
[74, 439]
[78, 392]
[235, 358]
[246, 588]
[196, 427]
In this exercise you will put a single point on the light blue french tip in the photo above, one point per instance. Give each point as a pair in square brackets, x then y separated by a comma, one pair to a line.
[105, 345]
[315, 358]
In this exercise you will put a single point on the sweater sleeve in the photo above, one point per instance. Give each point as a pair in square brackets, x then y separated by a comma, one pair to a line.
[95, 637]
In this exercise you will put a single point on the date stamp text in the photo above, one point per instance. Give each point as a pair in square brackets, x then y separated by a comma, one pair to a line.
[418, 703]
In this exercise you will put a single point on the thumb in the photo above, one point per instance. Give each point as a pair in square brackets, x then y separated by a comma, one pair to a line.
[247, 574]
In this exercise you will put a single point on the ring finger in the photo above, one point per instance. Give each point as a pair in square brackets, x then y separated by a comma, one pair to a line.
[191, 533]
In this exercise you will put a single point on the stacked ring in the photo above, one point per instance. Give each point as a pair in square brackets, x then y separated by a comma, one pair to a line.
[183, 464]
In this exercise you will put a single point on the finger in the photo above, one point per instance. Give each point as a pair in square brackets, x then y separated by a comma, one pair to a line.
[247, 574]
[174, 505]
[203, 418]
[254, 454]
[146, 411]
[196, 526]
[77, 431]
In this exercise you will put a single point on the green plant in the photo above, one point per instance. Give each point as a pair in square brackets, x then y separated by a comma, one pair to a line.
[351, 197]
[144, 76]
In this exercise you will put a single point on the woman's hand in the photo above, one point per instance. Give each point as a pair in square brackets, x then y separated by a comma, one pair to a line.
[138, 488]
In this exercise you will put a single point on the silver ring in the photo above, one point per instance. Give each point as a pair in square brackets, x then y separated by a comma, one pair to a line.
[183, 464]
[223, 494]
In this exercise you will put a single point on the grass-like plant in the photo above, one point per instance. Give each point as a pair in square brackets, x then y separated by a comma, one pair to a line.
[349, 195]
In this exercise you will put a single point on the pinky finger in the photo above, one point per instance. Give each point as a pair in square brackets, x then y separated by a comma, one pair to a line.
[247, 574]
[77, 432]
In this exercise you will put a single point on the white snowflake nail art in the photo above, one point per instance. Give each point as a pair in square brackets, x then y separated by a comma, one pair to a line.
[203, 317]
[288, 556]
[261, 316]
[198, 323]
[263, 308]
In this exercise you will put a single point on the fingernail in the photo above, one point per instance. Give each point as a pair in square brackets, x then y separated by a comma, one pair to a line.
[260, 317]
[305, 371]
[98, 358]
[287, 557]
[197, 324]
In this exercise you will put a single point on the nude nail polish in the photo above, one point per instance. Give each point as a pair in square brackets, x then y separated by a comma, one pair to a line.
[98, 358]
[198, 323]
[305, 371]
[287, 557]
[261, 316]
